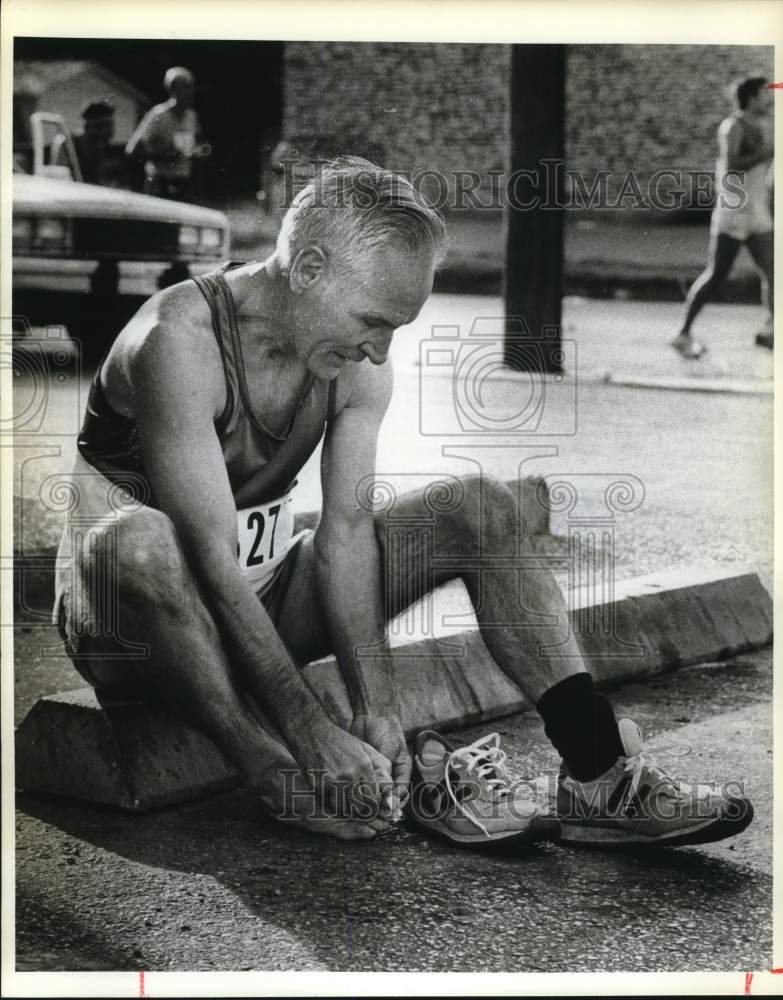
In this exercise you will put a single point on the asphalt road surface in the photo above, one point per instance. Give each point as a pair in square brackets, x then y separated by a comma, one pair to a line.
[214, 885]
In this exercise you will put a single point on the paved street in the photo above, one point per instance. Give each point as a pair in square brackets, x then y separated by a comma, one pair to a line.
[213, 885]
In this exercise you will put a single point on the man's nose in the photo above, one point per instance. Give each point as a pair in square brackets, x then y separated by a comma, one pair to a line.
[377, 349]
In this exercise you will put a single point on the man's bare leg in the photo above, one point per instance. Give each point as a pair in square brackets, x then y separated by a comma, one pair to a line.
[525, 627]
[520, 610]
[157, 602]
[723, 251]
[761, 247]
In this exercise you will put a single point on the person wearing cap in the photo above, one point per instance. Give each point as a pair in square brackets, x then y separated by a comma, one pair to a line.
[98, 159]
[168, 139]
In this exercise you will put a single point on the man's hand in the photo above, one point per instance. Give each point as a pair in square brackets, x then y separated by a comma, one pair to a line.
[352, 773]
[385, 734]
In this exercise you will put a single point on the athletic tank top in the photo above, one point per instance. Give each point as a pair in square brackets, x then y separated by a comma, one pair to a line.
[261, 464]
[753, 214]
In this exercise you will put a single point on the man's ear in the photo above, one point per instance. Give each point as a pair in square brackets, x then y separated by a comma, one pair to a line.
[307, 269]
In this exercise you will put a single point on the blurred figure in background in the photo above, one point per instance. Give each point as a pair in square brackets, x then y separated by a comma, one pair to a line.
[100, 161]
[168, 140]
[746, 151]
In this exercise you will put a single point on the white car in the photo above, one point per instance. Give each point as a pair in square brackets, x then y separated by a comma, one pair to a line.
[84, 254]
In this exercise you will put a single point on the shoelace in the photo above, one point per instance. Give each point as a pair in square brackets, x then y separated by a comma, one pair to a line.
[636, 766]
[484, 756]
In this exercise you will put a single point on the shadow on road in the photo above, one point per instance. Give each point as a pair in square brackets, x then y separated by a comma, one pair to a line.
[402, 902]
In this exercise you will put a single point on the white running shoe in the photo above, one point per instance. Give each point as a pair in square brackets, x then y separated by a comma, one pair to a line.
[689, 348]
[637, 803]
[465, 794]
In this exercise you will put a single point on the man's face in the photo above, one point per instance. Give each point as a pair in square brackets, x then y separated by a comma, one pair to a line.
[182, 91]
[100, 130]
[350, 317]
[759, 104]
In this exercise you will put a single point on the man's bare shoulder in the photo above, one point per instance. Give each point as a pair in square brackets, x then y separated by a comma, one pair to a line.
[182, 306]
[171, 338]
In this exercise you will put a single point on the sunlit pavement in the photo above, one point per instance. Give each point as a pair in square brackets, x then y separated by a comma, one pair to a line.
[213, 885]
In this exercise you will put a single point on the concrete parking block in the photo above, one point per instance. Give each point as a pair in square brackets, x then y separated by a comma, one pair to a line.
[137, 757]
[113, 752]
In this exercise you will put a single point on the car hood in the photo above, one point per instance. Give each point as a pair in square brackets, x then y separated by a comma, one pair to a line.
[64, 197]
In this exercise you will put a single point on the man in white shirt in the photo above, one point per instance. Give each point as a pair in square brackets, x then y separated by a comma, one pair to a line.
[745, 153]
[168, 139]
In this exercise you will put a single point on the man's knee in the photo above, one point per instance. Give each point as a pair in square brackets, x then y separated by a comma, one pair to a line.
[138, 557]
[487, 512]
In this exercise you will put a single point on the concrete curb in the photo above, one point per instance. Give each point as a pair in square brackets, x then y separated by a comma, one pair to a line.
[735, 387]
[136, 757]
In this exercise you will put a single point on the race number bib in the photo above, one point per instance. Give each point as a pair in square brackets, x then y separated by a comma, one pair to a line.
[265, 534]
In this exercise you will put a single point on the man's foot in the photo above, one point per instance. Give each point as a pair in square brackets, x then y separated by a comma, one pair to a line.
[287, 797]
[465, 795]
[636, 803]
[689, 348]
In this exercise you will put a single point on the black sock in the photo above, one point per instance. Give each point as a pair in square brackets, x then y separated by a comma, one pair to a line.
[581, 725]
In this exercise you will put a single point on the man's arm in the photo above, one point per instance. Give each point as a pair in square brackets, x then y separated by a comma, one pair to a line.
[136, 146]
[150, 141]
[348, 561]
[730, 140]
[201, 148]
[177, 394]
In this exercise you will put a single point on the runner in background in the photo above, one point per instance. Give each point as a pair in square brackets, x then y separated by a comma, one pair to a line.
[742, 213]
[168, 140]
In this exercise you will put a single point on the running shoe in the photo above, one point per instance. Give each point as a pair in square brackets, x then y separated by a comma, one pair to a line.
[465, 795]
[689, 348]
[637, 803]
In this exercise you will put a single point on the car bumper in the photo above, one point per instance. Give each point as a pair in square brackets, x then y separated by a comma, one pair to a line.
[73, 276]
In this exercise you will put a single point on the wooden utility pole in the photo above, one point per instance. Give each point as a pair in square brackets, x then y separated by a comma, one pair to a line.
[532, 281]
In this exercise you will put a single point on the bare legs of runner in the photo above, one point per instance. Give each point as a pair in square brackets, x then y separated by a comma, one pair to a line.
[138, 560]
[762, 249]
[722, 255]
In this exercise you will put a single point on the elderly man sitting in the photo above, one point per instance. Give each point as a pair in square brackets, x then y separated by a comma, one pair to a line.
[206, 408]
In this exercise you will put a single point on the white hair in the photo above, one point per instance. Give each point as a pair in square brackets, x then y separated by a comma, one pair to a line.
[352, 206]
[177, 73]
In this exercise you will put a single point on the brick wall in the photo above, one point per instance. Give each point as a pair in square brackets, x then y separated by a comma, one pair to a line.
[441, 107]
[652, 107]
[417, 106]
